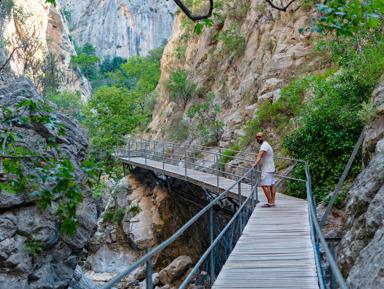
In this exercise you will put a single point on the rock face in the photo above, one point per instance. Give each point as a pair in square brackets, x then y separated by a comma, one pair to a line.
[361, 254]
[46, 29]
[120, 27]
[22, 220]
[118, 243]
[242, 76]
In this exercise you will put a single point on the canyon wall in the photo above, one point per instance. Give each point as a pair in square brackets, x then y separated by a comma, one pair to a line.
[120, 27]
[44, 28]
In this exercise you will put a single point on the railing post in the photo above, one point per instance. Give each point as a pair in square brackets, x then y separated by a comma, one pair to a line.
[252, 190]
[154, 150]
[241, 219]
[332, 276]
[163, 158]
[218, 179]
[185, 162]
[145, 153]
[141, 148]
[194, 158]
[219, 157]
[173, 153]
[212, 260]
[257, 183]
[129, 149]
[149, 271]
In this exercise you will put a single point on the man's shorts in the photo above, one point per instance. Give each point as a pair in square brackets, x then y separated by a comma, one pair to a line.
[267, 179]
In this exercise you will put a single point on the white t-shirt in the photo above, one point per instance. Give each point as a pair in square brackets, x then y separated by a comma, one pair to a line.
[266, 162]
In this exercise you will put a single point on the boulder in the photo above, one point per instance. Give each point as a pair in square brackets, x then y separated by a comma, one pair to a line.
[175, 270]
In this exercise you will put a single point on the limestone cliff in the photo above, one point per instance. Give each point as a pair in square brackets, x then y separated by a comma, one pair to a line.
[120, 27]
[22, 220]
[42, 26]
[361, 252]
[270, 51]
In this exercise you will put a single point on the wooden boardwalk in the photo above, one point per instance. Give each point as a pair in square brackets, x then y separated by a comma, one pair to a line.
[275, 249]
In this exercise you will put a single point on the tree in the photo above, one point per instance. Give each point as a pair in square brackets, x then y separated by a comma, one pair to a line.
[113, 113]
[85, 62]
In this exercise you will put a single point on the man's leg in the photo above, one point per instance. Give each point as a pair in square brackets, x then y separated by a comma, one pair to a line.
[267, 194]
[273, 194]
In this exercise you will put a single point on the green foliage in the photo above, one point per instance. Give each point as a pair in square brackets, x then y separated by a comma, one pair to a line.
[179, 128]
[233, 39]
[134, 209]
[119, 215]
[277, 115]
[332, 120]
[228, 154]
[208, 126]
[347, 17]
[33, 247]
[109, 65]
[69, 103]
[107, 216]
[67, 14]
[181, 90]
[113, 113]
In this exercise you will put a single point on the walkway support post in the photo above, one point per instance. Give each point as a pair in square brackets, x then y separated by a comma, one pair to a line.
[212, 260]
[149, 270]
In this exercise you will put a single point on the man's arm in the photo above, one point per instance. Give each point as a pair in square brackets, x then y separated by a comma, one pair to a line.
[258, 158]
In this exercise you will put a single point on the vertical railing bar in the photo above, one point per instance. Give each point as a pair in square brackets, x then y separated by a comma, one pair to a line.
[252, 190]
[332, 276]
[163, 159]
[145, 153]
[212, 260]
[149, 270]
[185, 162]
[194, 157]
[218, 179]
[129, 149]
[240, 218]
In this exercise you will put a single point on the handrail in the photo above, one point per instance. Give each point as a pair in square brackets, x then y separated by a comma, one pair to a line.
[319, 234]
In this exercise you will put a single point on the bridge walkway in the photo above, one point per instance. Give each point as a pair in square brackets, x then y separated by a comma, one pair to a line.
[275, 249]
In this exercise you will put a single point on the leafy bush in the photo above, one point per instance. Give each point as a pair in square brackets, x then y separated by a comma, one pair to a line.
[69, 103]
[208, 126]
[34, 247]
[180, 88]
[134, 209]
[233, 39]
[108, 216]
[119, 215]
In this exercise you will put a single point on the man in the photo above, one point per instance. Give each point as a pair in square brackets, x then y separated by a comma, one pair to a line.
[267, 180]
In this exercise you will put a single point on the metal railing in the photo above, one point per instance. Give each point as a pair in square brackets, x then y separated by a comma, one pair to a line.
[192, 157]
[217, 161]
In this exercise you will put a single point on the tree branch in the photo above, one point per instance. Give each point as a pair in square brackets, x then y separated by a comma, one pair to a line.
[282, 8]
[190, 14]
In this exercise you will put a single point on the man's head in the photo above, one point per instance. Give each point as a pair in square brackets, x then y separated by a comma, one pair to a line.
[260, 137]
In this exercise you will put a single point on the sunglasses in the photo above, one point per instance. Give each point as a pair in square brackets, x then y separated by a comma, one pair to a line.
[259, 137]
